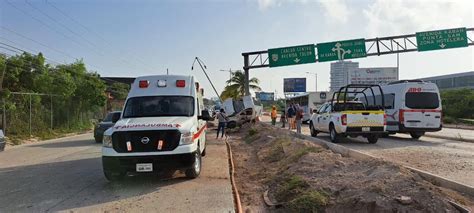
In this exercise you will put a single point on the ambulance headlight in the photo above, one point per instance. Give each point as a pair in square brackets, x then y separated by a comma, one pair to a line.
[187, 138]
[107, 141]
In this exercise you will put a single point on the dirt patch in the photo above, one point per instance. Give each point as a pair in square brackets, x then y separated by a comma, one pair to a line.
[305, 177]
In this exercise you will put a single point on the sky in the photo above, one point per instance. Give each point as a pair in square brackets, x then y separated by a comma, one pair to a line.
[131, 38]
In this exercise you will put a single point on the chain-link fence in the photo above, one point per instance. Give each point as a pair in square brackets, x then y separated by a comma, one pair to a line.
[36, 114]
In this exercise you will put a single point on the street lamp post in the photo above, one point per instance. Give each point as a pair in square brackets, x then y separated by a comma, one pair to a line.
[230, 72]
[315, 80]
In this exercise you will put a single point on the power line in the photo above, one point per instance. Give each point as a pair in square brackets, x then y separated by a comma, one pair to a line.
[44, 45]
[67, 37]
[37, 42]
[95, 33]
[41, 22]
[59, 23]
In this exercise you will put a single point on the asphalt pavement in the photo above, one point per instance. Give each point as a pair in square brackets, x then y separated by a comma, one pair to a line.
[66, 175]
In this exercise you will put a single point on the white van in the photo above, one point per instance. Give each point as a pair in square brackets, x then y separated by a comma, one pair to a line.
[161, 127]
[411, 106]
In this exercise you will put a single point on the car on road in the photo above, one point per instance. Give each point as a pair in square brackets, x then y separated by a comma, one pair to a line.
[103, 125]
[162, 127]
[412, 106]
[2, 141]
[342, 118]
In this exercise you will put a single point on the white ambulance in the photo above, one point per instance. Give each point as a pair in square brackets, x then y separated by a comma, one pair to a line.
[411, 106]
[162, 127]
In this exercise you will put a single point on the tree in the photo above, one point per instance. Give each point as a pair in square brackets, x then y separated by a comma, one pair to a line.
[236, 86]
[119, 90]
[458, 103]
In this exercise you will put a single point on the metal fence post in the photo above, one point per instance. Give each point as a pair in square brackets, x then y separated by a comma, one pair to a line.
[30, 114]
[51, 99]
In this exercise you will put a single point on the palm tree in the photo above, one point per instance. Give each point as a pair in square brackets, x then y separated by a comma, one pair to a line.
[236, 86]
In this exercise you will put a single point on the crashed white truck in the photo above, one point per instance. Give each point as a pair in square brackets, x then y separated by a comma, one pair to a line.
[241, 111]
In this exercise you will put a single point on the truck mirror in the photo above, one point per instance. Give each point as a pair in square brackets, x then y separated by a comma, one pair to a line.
[204, 115]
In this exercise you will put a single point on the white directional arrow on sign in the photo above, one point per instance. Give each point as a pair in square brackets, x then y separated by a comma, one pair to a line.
[297, 60]
[442, 45]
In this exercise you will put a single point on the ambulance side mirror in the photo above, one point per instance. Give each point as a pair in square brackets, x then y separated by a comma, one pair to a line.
[115, 119]
[205, 115]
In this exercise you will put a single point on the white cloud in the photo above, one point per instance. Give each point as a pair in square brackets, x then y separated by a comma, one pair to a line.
[265, 4]
[390, 17]
[335, 10]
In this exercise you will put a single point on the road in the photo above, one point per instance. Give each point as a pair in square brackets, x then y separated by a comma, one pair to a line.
[451, 159]
[66, 175]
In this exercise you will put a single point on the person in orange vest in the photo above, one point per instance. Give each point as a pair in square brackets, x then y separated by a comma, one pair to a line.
[274, 115]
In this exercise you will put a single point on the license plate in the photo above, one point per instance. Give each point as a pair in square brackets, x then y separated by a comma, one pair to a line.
[365, 129]
[144, 167]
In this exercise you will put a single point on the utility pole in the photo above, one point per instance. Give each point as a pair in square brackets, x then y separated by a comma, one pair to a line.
[315, 80]
[230, 73]
[203, 70]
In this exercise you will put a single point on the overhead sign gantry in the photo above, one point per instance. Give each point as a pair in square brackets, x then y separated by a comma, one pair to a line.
[357, 48]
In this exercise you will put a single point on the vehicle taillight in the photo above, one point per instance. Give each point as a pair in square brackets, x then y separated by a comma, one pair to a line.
[180, 83]
[385, 119]
[344, 119]
[401, 116]
[143, 84]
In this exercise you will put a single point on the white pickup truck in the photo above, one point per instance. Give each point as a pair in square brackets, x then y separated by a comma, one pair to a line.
[349, 118]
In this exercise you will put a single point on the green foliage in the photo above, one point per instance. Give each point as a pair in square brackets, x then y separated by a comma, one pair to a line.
[70, 91]
[312, 201]
[458, 103]
[251, 136]
[236, 86]
[297, 195]
[119, 90]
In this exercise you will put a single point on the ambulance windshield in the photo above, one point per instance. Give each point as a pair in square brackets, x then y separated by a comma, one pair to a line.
[156, 106]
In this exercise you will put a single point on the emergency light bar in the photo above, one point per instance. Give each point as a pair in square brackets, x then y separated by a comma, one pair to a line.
[143, 84]
[180, 83]
[161, 83]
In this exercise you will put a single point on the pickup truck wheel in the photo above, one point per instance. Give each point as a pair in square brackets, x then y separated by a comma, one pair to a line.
[333, 134]
[314, 132]
[373, 139]
[195, 169]
[416, 135]
[114, 176]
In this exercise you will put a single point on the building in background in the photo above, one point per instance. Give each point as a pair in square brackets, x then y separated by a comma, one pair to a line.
[339, 73]
[347, 72]
[453, 81]
[376, 75]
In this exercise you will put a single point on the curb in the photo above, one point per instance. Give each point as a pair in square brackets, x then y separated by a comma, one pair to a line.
[238, 203]
[432, 178]
[450, 138]
[48, 141]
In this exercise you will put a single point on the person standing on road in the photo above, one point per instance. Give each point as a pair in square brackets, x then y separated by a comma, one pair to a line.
[299, 118]
[283, 118]
[222, 118]
[274, 115]
[291, 114]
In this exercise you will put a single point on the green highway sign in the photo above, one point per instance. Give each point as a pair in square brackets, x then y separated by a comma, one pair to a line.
[340, 50]
[285, 56]
[441, 39]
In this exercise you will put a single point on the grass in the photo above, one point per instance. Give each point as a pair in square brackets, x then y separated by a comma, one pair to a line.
[251, 136]
[297, 196]
[17, 139]
[311, 201]
[302, 152]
